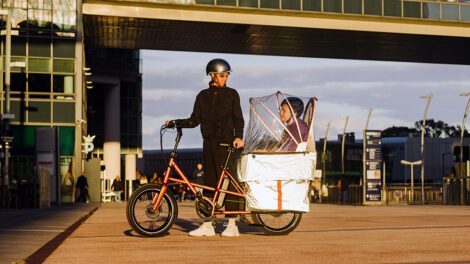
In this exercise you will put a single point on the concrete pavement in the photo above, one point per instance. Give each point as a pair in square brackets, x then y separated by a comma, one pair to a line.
[32, 234]
[328, 234]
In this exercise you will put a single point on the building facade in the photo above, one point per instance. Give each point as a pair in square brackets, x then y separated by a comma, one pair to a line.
[54, 103]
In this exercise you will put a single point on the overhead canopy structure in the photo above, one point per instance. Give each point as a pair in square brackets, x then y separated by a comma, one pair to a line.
[257, 31]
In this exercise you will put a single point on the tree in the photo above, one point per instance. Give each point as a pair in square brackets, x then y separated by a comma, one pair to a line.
[439, 129]
[398, 132]
[433, 129]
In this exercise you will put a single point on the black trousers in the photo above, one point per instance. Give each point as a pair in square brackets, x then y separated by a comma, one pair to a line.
[214, 157]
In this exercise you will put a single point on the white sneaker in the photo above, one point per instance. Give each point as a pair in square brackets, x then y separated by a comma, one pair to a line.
[206, 229]
[231, 230]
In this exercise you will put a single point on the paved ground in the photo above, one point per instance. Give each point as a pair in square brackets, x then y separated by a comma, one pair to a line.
[328, 234]
[35, 233]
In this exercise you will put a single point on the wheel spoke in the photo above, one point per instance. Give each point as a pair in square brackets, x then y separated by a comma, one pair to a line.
[145, 217]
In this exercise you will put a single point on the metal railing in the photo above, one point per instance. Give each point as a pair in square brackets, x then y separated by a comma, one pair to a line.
[403, 194]
[450, 10]
[456, 190]
[394, 194]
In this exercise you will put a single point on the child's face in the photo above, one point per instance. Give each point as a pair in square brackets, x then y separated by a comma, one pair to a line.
[285, 113]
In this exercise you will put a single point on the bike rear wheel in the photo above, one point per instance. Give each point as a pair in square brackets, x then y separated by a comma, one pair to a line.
[143, 219]
[277, 224]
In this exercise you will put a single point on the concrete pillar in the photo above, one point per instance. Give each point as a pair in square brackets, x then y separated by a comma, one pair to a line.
[112, 132]
[130, 171]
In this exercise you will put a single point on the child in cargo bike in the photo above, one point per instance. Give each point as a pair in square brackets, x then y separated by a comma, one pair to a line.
[294, 125]
[279, 156]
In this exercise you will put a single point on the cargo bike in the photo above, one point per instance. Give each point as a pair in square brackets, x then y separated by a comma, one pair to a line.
[273, 183]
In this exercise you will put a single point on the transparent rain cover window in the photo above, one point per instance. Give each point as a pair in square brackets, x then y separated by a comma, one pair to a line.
[267, 132]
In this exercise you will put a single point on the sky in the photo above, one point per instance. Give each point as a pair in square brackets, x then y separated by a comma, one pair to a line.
[171, 81]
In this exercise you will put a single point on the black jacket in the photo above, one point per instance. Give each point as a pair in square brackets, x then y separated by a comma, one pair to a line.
[218, 112]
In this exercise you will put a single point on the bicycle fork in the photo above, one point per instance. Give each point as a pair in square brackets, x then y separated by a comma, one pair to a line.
[156, 202]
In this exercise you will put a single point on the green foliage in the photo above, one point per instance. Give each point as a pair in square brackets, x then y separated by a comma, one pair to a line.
[432, 128]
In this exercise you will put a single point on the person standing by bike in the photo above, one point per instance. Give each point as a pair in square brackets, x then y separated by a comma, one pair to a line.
[217, 109]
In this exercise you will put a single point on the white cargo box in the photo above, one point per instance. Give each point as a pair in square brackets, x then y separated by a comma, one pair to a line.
[277, 181]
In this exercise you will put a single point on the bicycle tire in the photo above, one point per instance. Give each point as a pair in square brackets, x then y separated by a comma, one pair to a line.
[138, 208]
[282, 229]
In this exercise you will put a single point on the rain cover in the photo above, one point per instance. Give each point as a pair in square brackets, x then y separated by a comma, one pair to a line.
[277, 178]
[267, 133]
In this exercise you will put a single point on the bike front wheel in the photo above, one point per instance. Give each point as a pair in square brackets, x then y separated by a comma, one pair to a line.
[277, 224]
[141, 216]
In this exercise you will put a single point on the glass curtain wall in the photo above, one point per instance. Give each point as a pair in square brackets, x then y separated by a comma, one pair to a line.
[42, 92]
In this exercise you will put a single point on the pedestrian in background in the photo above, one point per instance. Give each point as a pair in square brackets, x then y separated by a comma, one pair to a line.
[198, 176]
[155, 178]
[117, 188]
[82, 187]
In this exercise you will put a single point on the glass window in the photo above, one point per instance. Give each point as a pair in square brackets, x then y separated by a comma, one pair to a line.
[63, 84]
[64, 112]
[312, 5]
[248, 3]
[39, 112]
[431, 11]
[133, 126]
[39, 18]
[39, 65]
[63, 65]
[19, 18]
[450, 12]
[205, 2]
[64, 20]
[18, 109]
[39, 83]
[412, 9]
[17, 69]
[465, 12]
[18, 82]
[332, 6]
[373, 7]
[40, 4]
[23, 4]
[392, 8]
[70, 5]
[227, 2]
[353, 6]
[64, 48]
[18, 46]
[40, 48]
[291, 4]
[269, 4]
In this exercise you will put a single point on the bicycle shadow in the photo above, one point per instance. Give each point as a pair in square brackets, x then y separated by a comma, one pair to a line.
[189, 225]
[132, 233]
[186, 225]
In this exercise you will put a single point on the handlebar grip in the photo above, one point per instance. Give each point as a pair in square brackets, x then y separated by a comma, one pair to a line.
[171, 124]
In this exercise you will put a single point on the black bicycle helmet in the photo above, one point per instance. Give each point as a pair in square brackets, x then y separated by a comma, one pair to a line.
[296, 103]
[217, 66]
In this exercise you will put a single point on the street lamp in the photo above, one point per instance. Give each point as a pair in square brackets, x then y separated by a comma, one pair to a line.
[342, 145]
[369, 113]
[461, 147]
[324, 152]
[428, 103]
[418, 162]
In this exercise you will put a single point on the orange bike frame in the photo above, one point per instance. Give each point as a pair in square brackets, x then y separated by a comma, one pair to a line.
[184, 180]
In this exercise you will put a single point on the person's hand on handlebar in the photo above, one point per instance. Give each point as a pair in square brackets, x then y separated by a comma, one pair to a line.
[170, 123]
[238, 143]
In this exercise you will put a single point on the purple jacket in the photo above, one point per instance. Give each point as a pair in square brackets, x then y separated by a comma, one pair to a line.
[288, 144]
